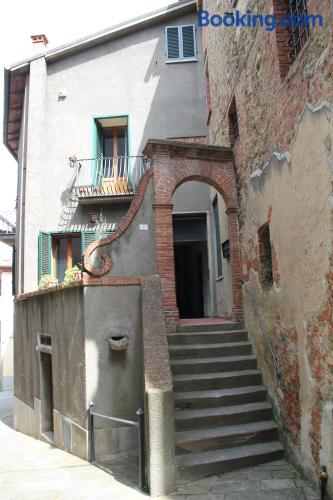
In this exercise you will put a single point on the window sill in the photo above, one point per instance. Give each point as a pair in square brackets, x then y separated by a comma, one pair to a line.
[220, 278]
[172, 61]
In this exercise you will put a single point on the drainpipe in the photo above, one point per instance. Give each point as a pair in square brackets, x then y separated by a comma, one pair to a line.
[20, 220]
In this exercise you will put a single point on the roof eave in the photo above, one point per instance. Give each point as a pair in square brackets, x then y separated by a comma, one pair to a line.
[114, 32]
[6, 111]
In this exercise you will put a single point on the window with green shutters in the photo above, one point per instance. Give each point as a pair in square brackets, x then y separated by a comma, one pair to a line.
[181, 43]
[98, 168]
[44, 254]
[58, 250]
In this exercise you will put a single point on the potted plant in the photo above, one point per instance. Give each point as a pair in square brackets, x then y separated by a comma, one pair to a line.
[72, 275]
[47, 281]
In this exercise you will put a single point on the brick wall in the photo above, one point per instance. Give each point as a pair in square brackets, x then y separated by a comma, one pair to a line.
[244, 63]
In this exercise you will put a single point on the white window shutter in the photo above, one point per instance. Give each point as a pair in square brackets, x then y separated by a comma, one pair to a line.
[173, 48]
[188, 37]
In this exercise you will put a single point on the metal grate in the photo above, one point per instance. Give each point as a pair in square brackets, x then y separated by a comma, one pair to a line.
[299, 34]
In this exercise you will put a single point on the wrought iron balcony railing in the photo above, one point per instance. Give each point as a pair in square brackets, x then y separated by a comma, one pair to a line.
[108, 176]
[6, 226]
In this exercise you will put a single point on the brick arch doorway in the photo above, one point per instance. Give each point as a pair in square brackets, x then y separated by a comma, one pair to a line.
[193, 250]
[175, 163]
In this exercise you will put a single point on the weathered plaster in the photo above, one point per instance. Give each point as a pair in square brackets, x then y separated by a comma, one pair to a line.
[293, 193]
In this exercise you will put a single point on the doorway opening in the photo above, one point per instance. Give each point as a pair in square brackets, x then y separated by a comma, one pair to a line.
[47, 425]
[191, 265]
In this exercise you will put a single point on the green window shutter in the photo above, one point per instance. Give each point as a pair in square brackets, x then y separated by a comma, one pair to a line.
[87, 237]
[217, 238]
[98, 154]
[44, 254]
[172, 40]
[188, 37]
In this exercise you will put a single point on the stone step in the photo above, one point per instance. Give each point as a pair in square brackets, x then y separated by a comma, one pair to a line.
[208, 327]
[229, 459]
[219, 380]
[220, 397]
[207, 365]
[222, 416]
[195, 441]
[207, 337]
[182, 351]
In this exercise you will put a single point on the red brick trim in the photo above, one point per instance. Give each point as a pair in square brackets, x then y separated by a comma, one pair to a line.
[126, 222]
[86, 281]
[46, 291]
[89, 281]
[182, 164]
[163, 205]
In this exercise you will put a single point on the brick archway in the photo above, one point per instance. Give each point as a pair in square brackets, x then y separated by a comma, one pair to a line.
[173, 164]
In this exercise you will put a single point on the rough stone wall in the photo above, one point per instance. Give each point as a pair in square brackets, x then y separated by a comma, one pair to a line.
[243, 62]
[283, 159]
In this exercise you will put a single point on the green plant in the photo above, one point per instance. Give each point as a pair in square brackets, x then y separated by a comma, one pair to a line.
[71, 275]
[47, 281]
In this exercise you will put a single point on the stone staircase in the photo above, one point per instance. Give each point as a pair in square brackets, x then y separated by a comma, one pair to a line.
[223, 420]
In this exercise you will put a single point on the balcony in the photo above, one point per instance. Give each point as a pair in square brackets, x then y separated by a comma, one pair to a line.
[7, 228]
[108, 178]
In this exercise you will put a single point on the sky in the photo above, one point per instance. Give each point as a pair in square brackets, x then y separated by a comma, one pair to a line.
[62, 21]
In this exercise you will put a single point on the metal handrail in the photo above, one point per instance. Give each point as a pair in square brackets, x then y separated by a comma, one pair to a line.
[263, 329]
[140, 424]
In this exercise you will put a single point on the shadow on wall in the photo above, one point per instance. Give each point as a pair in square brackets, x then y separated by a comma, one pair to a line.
[115, 377]
[178, 106]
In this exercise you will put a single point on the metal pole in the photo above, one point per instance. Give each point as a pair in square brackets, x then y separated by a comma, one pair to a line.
[142, 459]
[91, 432]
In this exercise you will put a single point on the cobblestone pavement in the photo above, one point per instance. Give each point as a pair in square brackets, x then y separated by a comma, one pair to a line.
[273, 481]
[33, 470]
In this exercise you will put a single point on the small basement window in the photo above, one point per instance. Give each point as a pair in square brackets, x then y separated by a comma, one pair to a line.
[265, 256]
[45, 340]
[181, 43]
[233, 122]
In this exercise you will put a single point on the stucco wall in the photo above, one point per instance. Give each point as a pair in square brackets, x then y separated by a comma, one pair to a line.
[223, 283]
[128, 75]
[114, 378]
[133, 254]
[6, 333]
[80, 321]
[59, 315]
[294, 194]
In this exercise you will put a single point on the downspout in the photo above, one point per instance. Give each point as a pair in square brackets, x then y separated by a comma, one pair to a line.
[21, 188]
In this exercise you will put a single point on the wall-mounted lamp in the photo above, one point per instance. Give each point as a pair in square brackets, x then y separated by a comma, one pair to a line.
[93, 217]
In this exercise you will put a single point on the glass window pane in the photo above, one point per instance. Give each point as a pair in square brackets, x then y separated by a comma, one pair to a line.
[108, 146]
[122, 141]
[61, 258]
[76, 251]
